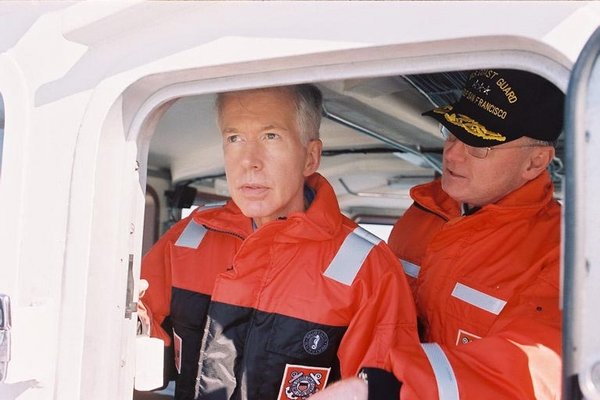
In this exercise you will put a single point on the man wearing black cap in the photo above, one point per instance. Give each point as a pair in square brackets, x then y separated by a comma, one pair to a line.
[480, 247]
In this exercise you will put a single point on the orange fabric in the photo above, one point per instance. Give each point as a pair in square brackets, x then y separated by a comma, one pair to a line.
[166, 266]
[279, 269]
[509, 251]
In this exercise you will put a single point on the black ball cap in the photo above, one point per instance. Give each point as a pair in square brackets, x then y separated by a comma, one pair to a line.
[500, 105]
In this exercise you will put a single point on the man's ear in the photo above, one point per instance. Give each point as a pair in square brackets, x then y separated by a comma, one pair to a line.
[538, 161]
[313, 156]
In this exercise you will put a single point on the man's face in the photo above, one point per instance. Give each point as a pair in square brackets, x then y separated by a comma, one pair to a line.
[265, 160]
[477, 182]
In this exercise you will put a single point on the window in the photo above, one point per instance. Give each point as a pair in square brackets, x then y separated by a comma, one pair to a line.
[151, 219]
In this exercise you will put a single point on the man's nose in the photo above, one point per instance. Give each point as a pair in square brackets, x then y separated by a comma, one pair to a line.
[252, 155]
[455, 150]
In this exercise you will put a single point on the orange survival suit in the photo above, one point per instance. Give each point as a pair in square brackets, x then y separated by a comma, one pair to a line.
[487, 292]
[277, 312]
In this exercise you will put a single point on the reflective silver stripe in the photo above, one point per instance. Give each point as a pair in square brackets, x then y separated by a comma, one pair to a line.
[478, 299]
[351, 255]
[214, 204]
[410, 269]
[444, 375]
[191, 236]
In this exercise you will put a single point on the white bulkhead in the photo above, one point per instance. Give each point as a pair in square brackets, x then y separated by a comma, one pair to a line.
[85, 83]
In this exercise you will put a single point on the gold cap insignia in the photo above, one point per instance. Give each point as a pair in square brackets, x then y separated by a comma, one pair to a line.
[468, 124]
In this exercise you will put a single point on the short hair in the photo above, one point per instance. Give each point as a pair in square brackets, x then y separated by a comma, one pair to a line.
[308, 101]
[538, 142]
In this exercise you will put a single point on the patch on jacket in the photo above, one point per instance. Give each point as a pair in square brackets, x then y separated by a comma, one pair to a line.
[315, 342]
[177, 347]
[465, 337]
[301, 381]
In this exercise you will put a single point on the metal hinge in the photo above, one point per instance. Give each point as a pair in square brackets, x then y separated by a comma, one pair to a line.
[5, 325]
[130, 305]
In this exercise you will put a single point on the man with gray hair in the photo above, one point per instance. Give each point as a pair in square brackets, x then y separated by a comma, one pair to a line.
[481, 249]
[275, 293]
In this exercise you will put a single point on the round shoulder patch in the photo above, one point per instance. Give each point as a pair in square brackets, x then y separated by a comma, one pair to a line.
[315, 342]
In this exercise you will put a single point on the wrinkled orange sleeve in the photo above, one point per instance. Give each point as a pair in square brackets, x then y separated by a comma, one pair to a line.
[386, 315]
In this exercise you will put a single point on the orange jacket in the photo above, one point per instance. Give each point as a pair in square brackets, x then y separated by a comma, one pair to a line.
[486, 287]
[312, 290]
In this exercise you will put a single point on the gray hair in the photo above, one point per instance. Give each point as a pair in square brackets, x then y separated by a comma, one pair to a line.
[308, 101]
[543, 143]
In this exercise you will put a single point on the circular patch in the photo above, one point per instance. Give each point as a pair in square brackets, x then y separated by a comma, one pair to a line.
[315, 342]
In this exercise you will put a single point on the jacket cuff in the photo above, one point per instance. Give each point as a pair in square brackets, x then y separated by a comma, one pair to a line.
[382, 384]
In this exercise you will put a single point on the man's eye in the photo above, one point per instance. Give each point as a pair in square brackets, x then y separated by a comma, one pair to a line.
[232, 138]
[271, 136]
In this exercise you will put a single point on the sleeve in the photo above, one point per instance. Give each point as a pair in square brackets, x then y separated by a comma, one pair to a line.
[520, 358]
[156, 269]
[385, 314]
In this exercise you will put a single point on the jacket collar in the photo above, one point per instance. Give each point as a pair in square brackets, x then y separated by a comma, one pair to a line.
[320, 222]
[533, 195]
